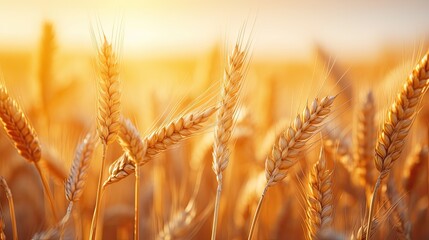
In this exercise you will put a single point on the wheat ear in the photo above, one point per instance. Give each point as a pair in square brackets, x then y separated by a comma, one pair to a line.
[120, 169]
[79, 171]
[160, 140]
[136, 148]
[176, 131]
[365, 141]
[109, 112]
[319, 198]
[20, 131]
[109, 94]
[289, 145]
[400, 117]
[230, 93]
[3, 184]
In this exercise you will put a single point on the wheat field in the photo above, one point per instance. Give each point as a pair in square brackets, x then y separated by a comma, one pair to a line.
[225, 146]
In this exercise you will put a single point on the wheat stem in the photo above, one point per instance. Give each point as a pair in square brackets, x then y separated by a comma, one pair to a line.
[371, 206]
[230, 94]
[9, 197]
[258, 209]
[137, 204]
[47, 191]
[216, 209]
[400, 117]
[99, 196]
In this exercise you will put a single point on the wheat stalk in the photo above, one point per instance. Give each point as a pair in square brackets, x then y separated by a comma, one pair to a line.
[232, 81]
[18, 127]
[160, 140]
[23, 135]
[290, 144]
[76, 180]
[136, 148]
[319, 198]
[3, 184]
[109, 112]
[400, 117]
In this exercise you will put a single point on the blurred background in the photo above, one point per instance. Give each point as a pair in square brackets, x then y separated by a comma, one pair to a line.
[282, 29]
[172, 55]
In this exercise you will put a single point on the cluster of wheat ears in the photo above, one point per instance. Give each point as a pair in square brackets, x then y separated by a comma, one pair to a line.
[352, 173]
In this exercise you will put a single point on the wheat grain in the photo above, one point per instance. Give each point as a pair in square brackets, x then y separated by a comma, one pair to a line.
[79, 169]
[135, 147]
[131, 142]
[22, 133]
[109, 94]
[109, 112]
[230, 93]
[18, 127]
[233, 80]
[160, 140]
[319, 198]
[400, 117]
[290, 144]
[175, 131]
[120, 169]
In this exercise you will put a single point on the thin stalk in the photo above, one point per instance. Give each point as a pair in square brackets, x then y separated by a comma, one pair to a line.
[99, 194]
[258, 209]
[216, 210]
[11, 207]
[137, 204]
[65, 219]
[12, 217]
[47, 191]
[371, 207]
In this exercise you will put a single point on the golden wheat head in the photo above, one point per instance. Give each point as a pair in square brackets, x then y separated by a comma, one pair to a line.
[18, 127]
[400, 118]
[109, 94]
[292, 142]
[79, 169]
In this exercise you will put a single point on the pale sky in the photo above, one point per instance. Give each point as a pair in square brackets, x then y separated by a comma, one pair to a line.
[281, 27]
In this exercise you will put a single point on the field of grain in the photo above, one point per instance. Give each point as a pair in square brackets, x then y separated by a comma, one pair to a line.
[222, 144]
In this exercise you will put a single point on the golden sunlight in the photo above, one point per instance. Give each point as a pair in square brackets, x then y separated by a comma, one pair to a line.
[186, 119]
